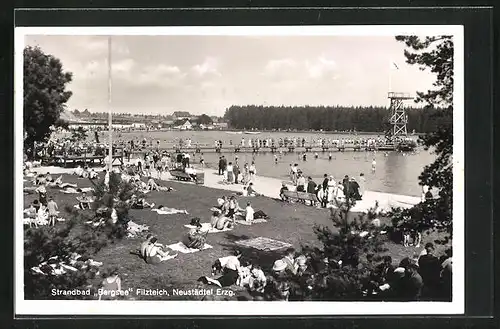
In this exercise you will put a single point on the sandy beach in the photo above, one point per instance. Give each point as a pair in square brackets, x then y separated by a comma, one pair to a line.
[270, 187]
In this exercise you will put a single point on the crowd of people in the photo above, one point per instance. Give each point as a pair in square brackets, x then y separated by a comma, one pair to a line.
[291, 276]
[298, 277]
[328, 191]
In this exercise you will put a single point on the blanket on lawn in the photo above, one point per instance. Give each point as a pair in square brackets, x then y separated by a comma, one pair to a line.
[170, 211]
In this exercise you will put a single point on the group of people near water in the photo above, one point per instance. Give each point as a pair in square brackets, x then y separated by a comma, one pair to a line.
[329, 190]
[302, 142]
[234, 174]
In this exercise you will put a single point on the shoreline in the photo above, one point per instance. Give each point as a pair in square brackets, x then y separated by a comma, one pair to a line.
[329, 132]
[269, 187]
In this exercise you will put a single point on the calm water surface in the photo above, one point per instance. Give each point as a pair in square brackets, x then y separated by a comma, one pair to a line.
[395, 172]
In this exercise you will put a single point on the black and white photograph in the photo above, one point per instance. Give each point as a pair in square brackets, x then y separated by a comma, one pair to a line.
[219, 165]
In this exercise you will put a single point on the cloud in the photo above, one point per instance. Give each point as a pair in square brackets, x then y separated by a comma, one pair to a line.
[279, 67]
[321, 67]
[286, 68]
[208, 68]
[123, 66]
[160, 75]
[94, 45]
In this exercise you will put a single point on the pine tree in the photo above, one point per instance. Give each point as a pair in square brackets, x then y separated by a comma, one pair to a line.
[342, 269]
[436, 55]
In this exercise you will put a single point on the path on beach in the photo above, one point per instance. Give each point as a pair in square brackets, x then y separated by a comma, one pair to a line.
[270, 187]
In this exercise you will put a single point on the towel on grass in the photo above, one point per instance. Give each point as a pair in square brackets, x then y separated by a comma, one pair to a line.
[208, 227]
[170, 211]
[181, 247]
[212, 281]
[40, 222]
[255, 221]
[72, 190]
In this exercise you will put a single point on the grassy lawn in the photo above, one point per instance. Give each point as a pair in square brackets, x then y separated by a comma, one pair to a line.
[290, 223]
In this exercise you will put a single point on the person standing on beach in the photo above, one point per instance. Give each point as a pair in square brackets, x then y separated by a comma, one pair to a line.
[301, 183]
[362, 184]
[230, 173]
[295, 171]
[224, 164]
[311, 185]
[252, 171]
[245, 174]
[374, 165]
[221, 166]
[236, 171]
[325, 182]
[331, 189]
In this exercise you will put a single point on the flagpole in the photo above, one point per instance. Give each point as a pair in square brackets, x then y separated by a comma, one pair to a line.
[110, 126]
[390, 76]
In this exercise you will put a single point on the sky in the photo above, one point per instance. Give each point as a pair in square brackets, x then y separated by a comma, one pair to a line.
[207, 74]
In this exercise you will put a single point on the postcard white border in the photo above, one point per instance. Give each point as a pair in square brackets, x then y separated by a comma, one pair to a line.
[209, 308]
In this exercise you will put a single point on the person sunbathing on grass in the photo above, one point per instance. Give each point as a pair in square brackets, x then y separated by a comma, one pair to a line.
[144, 245]
[31, 211]
[229, 267]
[139, 203]
[222, 205]
[250, 190]
[84, 201]
[257, 282]
[195, 238]
[59, 183]
[250, 214]
[170, 210]
[92, 174]
[40, 179]
[78, 171]
[156, 253]
[153, 186]
[220, 222]
[233, 207]
[27, 173]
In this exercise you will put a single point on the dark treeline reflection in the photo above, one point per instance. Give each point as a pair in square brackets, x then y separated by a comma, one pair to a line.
[327, 118]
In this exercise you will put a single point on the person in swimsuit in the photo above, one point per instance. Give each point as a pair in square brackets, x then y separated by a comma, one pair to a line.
[110, 286]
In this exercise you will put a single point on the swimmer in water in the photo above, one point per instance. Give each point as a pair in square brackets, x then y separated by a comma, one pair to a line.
[275, 159]
[329, 156]
[304, 157]
[315, 155]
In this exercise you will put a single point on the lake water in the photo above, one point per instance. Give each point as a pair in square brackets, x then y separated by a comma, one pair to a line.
[395, 172]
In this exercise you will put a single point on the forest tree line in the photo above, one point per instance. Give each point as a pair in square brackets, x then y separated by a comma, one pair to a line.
[327, 118]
